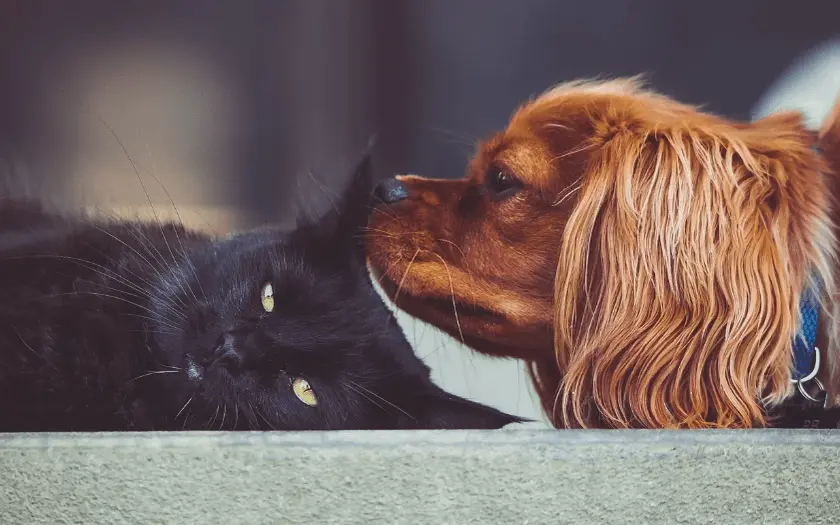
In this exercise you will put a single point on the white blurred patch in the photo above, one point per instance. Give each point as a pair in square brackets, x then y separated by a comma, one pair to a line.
[500, 383]
[811, 85]
[173, 111]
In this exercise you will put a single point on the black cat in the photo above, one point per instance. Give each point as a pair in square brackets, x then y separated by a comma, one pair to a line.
[110, 325]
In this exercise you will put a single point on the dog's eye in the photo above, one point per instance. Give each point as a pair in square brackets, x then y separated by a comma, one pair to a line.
[500, 183]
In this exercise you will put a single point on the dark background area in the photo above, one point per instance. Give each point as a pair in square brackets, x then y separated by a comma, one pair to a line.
[313, 79]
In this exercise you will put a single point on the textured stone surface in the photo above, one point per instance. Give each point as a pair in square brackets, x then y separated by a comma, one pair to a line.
[524, 477]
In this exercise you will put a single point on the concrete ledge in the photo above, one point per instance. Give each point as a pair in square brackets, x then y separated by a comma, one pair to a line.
[437, 477]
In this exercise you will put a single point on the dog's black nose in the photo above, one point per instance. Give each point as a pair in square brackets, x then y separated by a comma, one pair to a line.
[390, 191]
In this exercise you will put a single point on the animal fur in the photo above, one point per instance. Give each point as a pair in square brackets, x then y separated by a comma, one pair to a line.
[648, 266]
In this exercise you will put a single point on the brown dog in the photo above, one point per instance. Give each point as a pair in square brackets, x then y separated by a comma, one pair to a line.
[646, 258]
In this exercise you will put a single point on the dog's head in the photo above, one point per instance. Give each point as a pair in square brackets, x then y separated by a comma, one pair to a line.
[647, 258]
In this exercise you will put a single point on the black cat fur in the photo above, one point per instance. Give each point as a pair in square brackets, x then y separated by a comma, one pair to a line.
[112, 325]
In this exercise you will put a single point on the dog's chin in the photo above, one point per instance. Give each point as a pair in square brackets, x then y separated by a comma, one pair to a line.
[481, 328]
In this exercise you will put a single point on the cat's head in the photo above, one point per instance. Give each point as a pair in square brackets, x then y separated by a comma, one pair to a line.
[285, 330]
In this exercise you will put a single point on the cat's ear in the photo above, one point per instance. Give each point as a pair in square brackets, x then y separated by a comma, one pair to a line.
[346, 215]
[439, 409]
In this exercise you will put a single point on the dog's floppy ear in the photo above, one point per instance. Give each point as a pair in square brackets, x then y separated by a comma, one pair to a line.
[680, 273]
[829, 143]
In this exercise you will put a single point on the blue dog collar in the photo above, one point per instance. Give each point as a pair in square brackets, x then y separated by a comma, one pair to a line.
[806, 359]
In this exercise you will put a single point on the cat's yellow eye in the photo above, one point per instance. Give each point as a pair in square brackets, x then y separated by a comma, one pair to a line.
[267, 297]
[304, 392]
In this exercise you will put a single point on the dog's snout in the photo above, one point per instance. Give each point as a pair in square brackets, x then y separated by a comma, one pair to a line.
[390, 191]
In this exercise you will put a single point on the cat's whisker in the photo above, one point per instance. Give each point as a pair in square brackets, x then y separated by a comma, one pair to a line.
[104, 286]
[130, 247]
[143, 295]
[148, 197]
[215, 415]
[224, 413]
[152, 332]
[147, 244]
[144, 242]
[374, 402]
[90, 265]
[365, 396]
[381, 398]
[152, 172]
[169, 300]
[250, 417]
[186, 419]
[331, 195]
[267, 422]
[102, 295]
[25, 343]
[155, 372]
[180, 220]
[433, 351]
[163, 317]
[180, 279]
[183, 407]
[236, 418]
[84, 263]
[168, 323]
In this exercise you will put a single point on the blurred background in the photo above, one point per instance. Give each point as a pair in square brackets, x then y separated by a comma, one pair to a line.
[228, 104]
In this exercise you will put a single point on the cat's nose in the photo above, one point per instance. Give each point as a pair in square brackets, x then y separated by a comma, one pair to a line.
[390, 191]
[225, 354]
